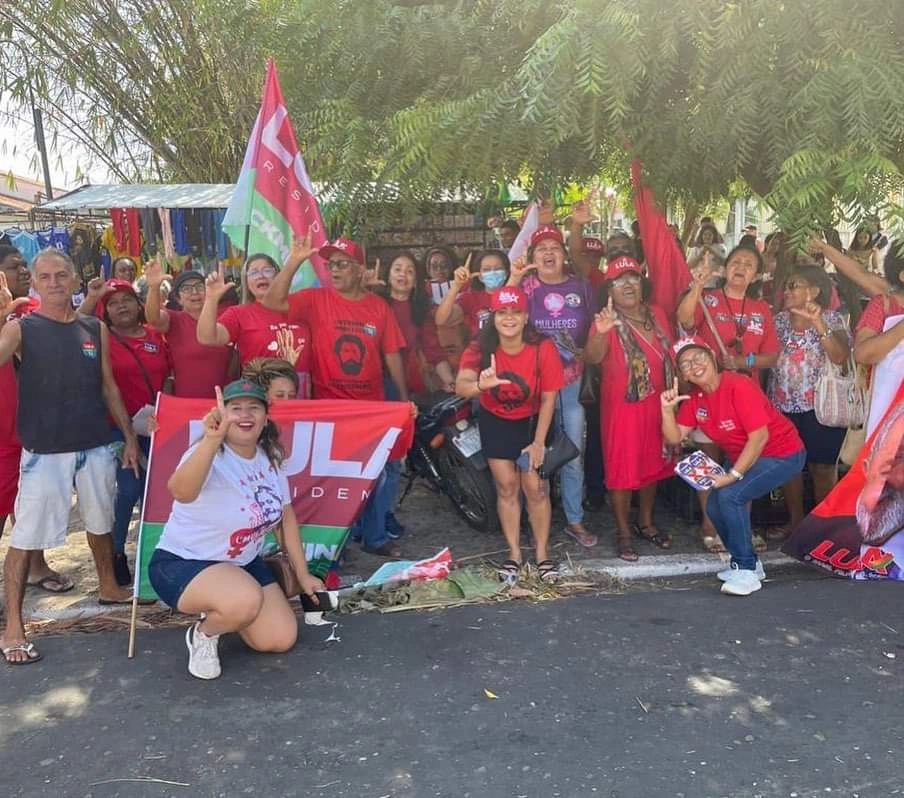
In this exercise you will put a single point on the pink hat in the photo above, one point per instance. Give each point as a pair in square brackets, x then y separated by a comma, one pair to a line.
[621, 265]
[690, 342]
[346, 246]
[546, 231]
[509, 296]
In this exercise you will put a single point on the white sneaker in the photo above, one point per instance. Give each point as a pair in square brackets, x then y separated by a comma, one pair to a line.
[203, 660]
[741, 582]
[723, 576]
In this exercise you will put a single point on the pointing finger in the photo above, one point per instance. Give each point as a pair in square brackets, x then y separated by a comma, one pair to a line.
[468, 261]
[3, 284]
[221, 405]
[493, 362]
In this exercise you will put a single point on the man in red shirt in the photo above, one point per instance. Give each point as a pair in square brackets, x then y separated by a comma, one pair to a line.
[355, 334]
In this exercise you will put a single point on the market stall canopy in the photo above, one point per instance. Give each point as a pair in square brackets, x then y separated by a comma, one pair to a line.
[144, 195]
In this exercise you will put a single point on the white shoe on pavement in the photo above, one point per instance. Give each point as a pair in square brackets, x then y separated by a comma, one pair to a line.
[203, 660]
[723, 576]
[741, 582]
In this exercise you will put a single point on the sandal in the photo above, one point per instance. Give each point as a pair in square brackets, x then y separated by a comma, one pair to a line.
[711, 543]
[548, 571]
[583, 536]
[778, 533]
[625, 547]
[62, 583]
[32, 655]
[759, 544]
[509, 571]
[652, 535]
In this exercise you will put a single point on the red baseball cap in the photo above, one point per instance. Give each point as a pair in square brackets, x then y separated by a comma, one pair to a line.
[690, 342]
[509, 296]
[346, 246]
[118, 286]
[621, 265]
[593, 245]
[546, 231]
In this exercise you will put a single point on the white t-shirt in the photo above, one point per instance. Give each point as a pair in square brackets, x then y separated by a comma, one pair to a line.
[241, 500]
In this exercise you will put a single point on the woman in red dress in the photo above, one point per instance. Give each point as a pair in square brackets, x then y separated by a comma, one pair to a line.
[631, 339]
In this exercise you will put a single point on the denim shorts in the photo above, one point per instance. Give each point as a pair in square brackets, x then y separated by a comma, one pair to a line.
[170, 574]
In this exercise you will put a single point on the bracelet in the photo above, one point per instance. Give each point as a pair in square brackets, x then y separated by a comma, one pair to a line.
[736, 474]
[751, 360]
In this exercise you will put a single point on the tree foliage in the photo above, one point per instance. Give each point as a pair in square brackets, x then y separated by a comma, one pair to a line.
[801, 100]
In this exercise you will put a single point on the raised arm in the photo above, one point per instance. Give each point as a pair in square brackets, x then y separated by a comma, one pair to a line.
[210, 331]
[156, 316]
[188, 479]
[97, 289]
[871, 284]
[277, 296]
[598, 341]
[445, 310]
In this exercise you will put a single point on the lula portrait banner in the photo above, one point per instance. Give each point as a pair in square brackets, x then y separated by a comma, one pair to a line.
[335, 453]
[858, 530]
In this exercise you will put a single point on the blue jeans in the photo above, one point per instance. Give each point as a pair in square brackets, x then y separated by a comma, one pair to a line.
[727, 507]
[570, 416]
[371, 524]
[129, 490]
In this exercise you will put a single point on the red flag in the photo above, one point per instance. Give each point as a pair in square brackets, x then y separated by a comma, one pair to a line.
[666, 265]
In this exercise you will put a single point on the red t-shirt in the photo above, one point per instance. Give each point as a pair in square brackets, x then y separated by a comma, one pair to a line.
[9, 386]
[736, 408]
[530, 373]
[874, 314]
[253, 329]
[197, 368]
[749, 317]
[475, 306]
[352, 336]
[153, 353]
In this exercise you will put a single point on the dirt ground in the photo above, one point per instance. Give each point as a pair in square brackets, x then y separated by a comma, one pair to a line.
[431, 524]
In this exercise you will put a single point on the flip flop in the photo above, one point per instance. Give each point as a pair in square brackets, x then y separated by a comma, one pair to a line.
[28, 649]
[657, 538]
[587, 539]
[65, 584]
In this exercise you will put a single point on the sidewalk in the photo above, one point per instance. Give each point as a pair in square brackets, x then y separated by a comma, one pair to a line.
[431, 525]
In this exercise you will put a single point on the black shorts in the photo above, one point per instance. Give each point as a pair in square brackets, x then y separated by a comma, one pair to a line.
[822, 443]
[502, 438]
[171, 574]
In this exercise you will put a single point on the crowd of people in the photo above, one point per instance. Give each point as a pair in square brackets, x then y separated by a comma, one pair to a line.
[568, 342]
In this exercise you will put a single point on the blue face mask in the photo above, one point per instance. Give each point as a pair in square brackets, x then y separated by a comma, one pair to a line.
[494, 279]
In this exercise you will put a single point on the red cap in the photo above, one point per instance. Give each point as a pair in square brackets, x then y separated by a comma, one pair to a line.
[509, 296]
[546, 231]
[691, 342]
[117, 286]
[593, 245]
[621, 265]
[345, 246]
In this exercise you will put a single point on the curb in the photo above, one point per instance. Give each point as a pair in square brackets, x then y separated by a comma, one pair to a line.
[662, 566]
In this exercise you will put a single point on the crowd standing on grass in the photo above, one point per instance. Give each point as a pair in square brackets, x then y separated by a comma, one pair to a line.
[568, 339]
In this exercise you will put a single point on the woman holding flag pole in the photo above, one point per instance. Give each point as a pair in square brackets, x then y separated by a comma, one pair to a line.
[204, 565]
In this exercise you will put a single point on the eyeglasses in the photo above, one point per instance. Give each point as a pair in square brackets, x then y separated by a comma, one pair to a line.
[626, 279]
[192, 288]
[792, 285]
[699, 359]
[341, 265]
[264, 271]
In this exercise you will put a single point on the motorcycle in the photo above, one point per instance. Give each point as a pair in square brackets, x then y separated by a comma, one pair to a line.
[446, 453]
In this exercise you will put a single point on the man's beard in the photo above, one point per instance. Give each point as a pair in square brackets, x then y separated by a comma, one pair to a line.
[878, 526]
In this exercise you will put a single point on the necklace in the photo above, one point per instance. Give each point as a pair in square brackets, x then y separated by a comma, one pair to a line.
[740, 322]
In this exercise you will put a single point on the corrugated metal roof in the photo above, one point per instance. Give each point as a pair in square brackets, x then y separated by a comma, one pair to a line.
[200, 195]
[144, 195]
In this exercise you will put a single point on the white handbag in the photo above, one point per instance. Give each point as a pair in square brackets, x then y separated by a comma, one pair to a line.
[840, 398]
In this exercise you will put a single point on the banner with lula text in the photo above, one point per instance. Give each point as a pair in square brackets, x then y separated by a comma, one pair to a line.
[858, 530]
[335, 452]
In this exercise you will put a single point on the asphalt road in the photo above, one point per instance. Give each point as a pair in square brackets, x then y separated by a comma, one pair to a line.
[795, 691]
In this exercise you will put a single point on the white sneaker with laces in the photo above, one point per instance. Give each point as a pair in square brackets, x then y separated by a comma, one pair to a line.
[741, 582]
[203, 660]
[723, 576]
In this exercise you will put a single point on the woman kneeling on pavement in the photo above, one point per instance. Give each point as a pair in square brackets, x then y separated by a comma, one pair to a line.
[516, 374]
[764, 446]
[203, 564]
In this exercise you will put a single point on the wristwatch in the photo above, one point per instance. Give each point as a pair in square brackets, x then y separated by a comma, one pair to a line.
[736, 474]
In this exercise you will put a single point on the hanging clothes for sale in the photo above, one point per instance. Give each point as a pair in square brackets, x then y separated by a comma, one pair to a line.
[127, 229]
[27, 244]
[84, 251]
[151, 229]
[109, 241]
[180, 235]
[166, 226]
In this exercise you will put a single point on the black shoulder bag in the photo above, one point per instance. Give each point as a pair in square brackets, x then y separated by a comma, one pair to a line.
[560, 449]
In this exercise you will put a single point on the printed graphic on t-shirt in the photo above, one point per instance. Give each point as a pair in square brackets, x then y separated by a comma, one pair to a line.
[350, 352]
[264, 508]
[89, 350]
[512, 394]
